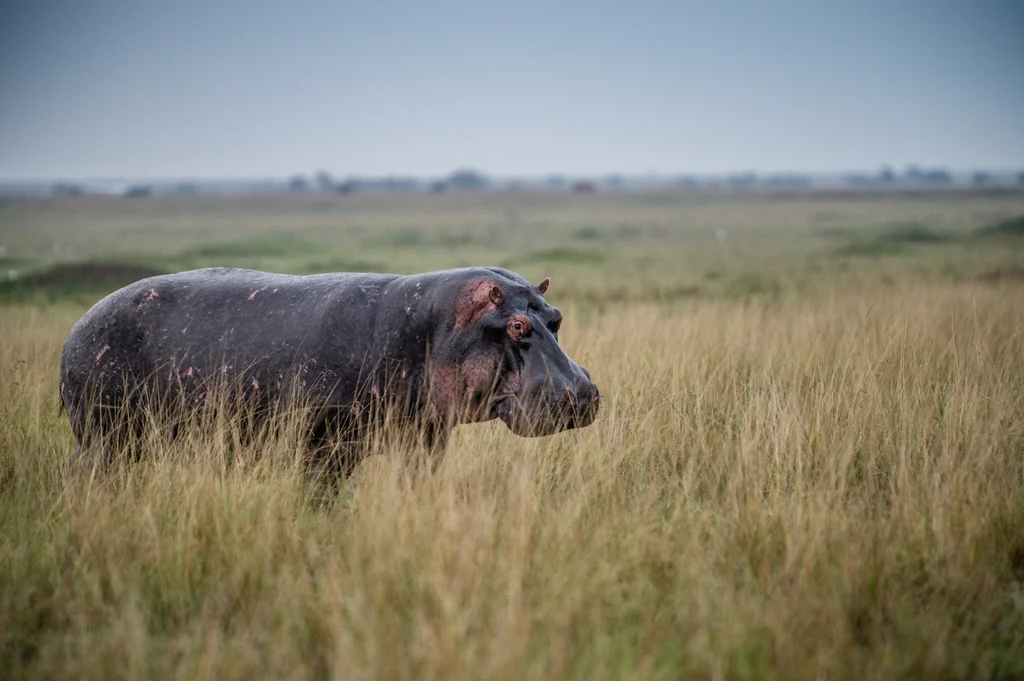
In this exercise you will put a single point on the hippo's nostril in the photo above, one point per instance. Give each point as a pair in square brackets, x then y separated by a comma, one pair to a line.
[591, 399]
[587, 392]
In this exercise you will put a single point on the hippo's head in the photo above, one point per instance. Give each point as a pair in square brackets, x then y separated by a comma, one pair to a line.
[503, 359]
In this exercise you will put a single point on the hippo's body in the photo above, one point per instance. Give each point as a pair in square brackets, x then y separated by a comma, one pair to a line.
[441, 348]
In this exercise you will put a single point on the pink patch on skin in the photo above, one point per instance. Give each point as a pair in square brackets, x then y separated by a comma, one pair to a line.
[253, 294]
[444, 388]
[189, 372]
[149, 297]
[458, 388]
[100, 353]
[474, 302]
[513, 382]
[255, 384]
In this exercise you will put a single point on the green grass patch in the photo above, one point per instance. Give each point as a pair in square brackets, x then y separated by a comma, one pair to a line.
[893, 239]
[871, 248]
[406, 237]
[750, 284]
[342, 264]
[75, 281]
[260, 247]
[556, 255]
[415, 237]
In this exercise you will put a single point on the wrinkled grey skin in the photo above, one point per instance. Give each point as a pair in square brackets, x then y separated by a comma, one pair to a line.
[439, 348]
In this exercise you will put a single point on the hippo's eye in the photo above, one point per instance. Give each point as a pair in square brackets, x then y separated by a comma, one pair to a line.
[519, 328]
[555, 325]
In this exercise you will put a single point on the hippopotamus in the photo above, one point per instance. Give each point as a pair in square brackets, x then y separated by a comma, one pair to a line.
[430, 350]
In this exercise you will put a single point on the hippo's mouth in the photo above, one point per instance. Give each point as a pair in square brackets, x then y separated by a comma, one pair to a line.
[532, 416]
[538, 420]
[504, 397]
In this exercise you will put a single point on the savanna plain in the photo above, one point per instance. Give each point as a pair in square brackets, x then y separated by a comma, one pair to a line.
[809, 461]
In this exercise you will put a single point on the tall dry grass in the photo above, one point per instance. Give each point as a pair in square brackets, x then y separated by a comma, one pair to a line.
[826, 487]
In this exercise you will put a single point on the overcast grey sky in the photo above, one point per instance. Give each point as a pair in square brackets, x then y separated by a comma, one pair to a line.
[229, 89]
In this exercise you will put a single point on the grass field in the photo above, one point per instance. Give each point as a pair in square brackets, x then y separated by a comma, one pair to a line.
[809, 461]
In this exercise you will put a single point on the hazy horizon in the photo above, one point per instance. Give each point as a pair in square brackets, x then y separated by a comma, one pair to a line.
[114, 90]
[1007, 173]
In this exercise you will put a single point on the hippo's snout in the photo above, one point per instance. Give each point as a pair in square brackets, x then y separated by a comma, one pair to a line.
[557, 405]
[580, 405]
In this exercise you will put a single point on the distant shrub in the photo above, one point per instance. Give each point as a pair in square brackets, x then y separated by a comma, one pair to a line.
[912, 233]
[139, 191]
[1010, 227]
[588, 234]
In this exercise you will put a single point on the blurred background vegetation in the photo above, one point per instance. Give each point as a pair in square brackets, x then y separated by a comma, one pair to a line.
[600, 249]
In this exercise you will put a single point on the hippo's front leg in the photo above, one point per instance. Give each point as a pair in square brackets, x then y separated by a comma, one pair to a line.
[336, 461]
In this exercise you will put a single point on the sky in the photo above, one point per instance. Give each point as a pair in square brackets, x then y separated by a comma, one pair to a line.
[221, 89]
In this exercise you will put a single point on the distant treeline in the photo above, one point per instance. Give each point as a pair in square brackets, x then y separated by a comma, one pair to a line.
[467, 180]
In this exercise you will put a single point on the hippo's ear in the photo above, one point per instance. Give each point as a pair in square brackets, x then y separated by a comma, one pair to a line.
[543, 286]
[496, 295]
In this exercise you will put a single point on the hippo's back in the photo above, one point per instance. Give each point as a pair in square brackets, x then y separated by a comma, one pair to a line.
[174, 331]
